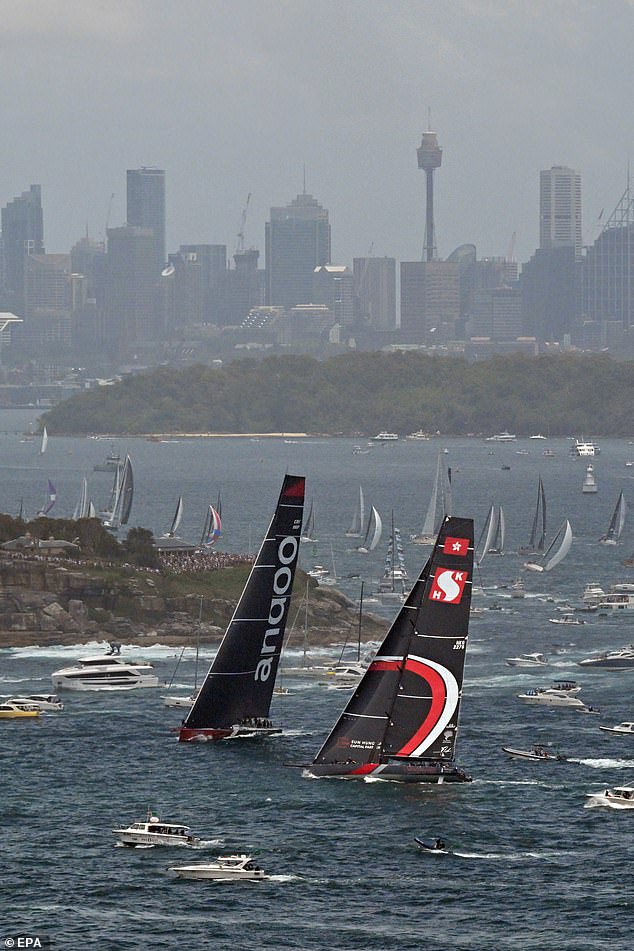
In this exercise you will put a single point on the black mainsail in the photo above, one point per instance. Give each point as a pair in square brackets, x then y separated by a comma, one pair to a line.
[402, 721]
[537, 540]
[235, 697]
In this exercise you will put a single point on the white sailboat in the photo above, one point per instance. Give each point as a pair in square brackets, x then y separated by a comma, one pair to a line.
[440, 504]
[358, 518]
[494, 533]
[392, 586]
[617, 522]
[123, 495]
[44, 443]
[537, 540]
[372, 533]
[82, 507]
[556, 551]
[176, 520]
[308, 529]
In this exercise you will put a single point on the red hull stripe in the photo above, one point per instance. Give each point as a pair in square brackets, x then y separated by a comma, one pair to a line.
[439, 699]
[362, 770]
[186, 734]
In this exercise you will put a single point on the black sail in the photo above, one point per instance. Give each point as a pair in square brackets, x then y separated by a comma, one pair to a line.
[408, 701]
[239, 684]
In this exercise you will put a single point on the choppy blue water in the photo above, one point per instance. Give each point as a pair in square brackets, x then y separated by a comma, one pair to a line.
[530, 868]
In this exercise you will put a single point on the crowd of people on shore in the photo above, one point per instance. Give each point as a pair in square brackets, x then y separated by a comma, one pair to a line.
[191, 562]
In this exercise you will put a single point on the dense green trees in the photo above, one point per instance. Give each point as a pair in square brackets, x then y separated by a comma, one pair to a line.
[364, 393]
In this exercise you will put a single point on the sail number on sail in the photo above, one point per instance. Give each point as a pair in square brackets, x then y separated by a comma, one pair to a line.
[282, 585]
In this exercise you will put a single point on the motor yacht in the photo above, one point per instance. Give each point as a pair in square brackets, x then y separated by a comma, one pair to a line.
[552, 697]
[617, 600]
[623, 729]
[527, 660]
[611, 660]
[39, 701]
[620, 797]
[10, 710]
[154, 831]
[105, 672]
[385, 437]
[593, 593]
[567, 618]
[584, 447]
[502, 437]
[226, 868]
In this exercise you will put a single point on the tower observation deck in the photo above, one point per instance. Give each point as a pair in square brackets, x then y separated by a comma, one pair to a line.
[429, 157]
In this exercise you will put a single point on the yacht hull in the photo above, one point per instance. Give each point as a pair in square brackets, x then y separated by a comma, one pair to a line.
[392, 771]
[211, 734]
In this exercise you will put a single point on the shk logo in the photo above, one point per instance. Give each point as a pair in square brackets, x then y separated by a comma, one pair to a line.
[448, 585]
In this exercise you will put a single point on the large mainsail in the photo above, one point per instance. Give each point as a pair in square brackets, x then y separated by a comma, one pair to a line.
[238, 688]
[402, 721]
[537, 540]
[617, 522]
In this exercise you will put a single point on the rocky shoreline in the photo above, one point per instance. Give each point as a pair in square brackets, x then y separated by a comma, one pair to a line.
[44, 603]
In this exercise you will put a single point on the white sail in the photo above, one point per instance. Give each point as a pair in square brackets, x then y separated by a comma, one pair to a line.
[373, 532]
[178, 514]
[489, 533]
[81, 509]
[556, 551]
[358, 517]
[44, 442]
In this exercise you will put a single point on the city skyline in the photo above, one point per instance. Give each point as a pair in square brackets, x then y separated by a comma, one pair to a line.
[236, 101]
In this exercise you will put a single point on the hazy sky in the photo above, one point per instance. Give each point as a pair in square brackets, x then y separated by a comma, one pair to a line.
[232, 98]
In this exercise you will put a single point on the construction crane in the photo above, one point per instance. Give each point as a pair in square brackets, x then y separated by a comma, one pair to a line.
[240, 244]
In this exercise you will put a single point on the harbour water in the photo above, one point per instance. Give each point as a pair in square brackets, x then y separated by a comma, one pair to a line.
[529, 867]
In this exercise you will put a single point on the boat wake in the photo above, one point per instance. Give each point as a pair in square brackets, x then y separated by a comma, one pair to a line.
[605, 763]
[508, 856]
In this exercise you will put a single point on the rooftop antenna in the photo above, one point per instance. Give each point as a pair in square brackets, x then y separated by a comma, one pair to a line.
[304, 192]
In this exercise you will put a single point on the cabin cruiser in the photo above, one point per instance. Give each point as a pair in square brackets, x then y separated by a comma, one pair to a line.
[620, 797]
[528, 660]
[10, 710]
[153, 831]
[567, 618]
[226, 868]
[559, 695]
[385, 437]
[40, 701]
[105, 672]
[611, 660]
[537, 753]
[622, 728]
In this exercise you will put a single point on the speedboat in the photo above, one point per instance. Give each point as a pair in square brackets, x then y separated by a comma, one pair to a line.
[623, 728]
[226, 868]
[528, 660]
[40, 701]
[10, 710]
[431, 845]
[567, 618]
[620, 797]
[153, 831]
[536, 754]
[611, 660]
[105, 672]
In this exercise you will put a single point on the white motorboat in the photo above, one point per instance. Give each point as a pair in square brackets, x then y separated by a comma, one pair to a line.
[385, 437]
[105, 672]
[174, 700]
[226, 868]
[567, 618]
[589, 485]
[559, 695]
[39, 701]
[593, 593]
[584, 447]
[528, 660]
[154, 831]
[611, 660]
[9, 710]
[501, 437]
[622, 729]
[620, 797]
[537, 754]
[617, 600]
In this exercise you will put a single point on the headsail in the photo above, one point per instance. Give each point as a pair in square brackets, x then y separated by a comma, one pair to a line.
[402, 721]
[556, 551]
[238, 688]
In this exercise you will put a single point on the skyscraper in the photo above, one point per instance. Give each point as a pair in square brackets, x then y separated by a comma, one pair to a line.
[146, 205]
[297, 241]
[22, 235]
[560, 209]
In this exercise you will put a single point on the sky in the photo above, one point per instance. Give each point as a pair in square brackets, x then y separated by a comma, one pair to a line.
[246, 98]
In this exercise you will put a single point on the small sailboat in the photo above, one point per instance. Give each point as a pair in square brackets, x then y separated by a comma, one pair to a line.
[358, 517]
[440, 504]
[372, 533]
[44, 442]
[402, 721]
[122, 497]
[82, 507]
[537, 540]
[494, 533]
[308, 531]
[176, 520]
[177, 700]
[617, 522]
[395, 577]
[51, 498]
[212, 529]
[235, 697]
[556, 551]
[589, 481]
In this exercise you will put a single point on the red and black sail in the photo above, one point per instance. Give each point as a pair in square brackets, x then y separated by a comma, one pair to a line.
[239, 684]
[408, 701]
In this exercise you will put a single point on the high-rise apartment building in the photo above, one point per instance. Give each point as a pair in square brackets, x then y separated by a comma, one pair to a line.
[22, 235]
[297, 241]
[375, 291]
[560, 209]
[129, 308]
[146, 205]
